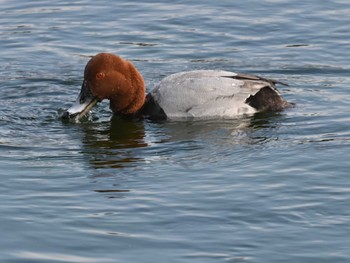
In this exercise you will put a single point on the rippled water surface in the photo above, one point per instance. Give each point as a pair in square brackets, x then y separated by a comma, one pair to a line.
[264, 188]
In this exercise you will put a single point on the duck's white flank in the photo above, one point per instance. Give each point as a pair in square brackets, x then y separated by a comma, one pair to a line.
[207, 94]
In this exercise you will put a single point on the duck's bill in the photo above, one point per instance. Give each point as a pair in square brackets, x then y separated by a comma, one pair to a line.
[81, 107]
[79, 110]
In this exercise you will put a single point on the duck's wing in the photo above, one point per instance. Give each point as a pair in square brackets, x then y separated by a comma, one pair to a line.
[249, 77]
[210, 94]
[264, 94]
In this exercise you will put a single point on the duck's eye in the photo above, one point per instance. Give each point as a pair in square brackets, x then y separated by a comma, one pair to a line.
[100, 75]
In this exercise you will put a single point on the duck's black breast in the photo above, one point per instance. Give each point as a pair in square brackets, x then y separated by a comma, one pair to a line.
[151, 109]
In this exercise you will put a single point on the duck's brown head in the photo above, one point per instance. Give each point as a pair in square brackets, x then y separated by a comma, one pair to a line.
[108, 76]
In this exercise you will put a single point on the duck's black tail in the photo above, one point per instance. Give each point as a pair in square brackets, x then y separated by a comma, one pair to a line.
[267, 99]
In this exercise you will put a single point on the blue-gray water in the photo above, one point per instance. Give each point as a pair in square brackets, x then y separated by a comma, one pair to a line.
[268, 188]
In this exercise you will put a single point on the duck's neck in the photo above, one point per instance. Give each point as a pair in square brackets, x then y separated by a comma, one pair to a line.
[128, 104]
[129, 90]
[150, 109]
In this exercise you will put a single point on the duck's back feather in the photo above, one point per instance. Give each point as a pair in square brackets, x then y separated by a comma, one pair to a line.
[214, 94]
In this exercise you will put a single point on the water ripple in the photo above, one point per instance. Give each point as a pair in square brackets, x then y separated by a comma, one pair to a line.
[108, 190]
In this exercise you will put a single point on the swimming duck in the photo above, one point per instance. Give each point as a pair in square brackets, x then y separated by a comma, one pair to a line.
[202, 94]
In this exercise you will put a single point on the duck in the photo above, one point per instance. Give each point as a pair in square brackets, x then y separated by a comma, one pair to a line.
[196, 94]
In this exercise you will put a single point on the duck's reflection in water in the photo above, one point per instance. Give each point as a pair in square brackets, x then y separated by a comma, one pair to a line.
[117, 143]
[121, 144]
[246, 130]
[111, 144]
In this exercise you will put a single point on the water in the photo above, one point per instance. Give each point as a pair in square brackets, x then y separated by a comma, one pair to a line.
[266, 188]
